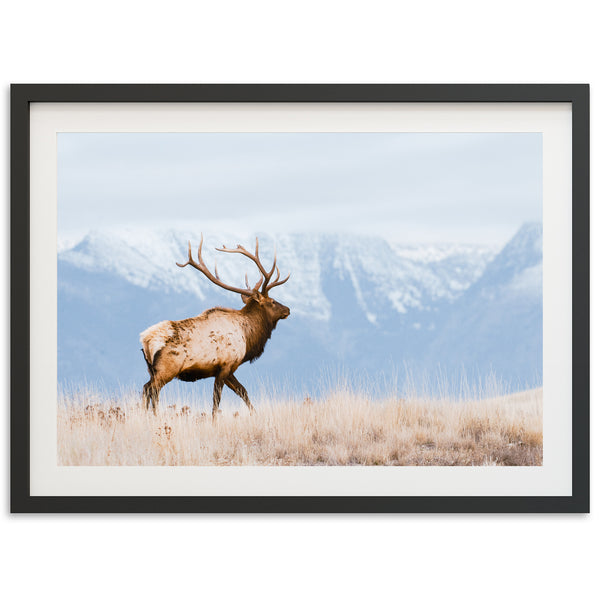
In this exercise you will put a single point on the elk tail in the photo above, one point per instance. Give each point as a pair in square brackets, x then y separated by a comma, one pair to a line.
[148, 363]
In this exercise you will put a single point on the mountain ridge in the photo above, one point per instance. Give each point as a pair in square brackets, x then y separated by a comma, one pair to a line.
[356, 301]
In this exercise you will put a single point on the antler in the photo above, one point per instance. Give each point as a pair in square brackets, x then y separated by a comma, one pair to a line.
[201, 266]
[255, 258]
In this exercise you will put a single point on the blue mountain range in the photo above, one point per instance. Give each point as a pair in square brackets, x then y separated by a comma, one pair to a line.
[359, 305]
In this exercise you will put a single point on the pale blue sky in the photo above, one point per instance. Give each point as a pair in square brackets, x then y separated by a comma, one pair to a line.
[471, 187]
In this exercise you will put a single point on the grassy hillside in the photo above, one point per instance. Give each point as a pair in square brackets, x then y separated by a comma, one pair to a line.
[341, 429]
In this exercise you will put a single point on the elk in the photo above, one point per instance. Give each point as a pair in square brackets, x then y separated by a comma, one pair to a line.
[218, 341]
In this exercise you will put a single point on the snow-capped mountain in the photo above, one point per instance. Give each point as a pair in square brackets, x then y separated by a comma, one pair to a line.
[407, 277]
[500, 315]
[357, 302]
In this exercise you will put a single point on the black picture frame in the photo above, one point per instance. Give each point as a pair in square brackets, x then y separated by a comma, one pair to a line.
[22, 95]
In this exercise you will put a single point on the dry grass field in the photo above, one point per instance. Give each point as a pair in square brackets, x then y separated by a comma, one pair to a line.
[341, 429]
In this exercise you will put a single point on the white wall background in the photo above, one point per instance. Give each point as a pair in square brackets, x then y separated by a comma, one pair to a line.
[539, 556]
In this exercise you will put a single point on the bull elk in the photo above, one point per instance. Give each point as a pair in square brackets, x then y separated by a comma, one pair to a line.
[217, 342]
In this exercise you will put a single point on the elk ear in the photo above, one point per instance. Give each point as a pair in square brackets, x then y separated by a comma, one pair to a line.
[248, 297]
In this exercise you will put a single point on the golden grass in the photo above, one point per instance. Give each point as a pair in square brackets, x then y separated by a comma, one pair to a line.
[342, 429]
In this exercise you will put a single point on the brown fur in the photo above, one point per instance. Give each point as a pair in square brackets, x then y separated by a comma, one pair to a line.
[257, 320]
[184, 350]
[258, 329]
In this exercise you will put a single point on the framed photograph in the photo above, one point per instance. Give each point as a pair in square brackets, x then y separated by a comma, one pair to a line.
[300, 298]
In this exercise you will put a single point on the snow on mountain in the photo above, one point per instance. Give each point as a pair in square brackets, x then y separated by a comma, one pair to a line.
[501, 315]
[407, 276]
[521, 256]
[356, 302]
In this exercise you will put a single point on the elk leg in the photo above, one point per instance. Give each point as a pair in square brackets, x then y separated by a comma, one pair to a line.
[233, 384]
[151, 392]
[155, 391]
[147, 394]
[161, 372]
[217, 389]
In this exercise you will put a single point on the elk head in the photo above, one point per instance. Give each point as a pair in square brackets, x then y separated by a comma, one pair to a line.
[256, 297]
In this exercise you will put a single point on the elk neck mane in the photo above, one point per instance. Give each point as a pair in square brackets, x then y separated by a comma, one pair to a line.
[257, 328]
